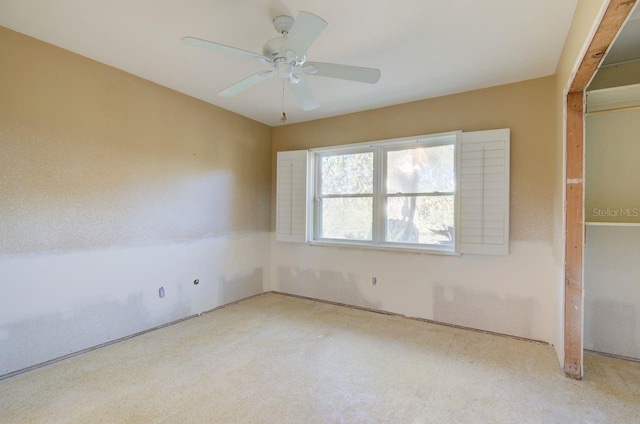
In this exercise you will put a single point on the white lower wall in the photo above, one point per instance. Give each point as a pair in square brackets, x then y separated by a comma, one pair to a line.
[514, 294]
[53, 304]
[558, 343]
[612, 290]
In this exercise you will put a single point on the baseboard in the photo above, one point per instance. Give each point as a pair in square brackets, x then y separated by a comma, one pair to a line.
[612, 355]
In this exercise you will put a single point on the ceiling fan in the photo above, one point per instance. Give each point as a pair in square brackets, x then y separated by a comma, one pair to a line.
[287, 54]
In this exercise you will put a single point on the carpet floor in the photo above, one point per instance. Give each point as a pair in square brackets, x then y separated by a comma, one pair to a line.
[280, 359]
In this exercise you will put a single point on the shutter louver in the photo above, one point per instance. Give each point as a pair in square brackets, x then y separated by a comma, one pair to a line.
[483, 184]
[291, 196]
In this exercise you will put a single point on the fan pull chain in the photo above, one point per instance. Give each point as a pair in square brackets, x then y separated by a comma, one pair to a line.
[283, 117]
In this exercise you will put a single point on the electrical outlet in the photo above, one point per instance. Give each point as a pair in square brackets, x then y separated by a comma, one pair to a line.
[161, 292]
[374, 281]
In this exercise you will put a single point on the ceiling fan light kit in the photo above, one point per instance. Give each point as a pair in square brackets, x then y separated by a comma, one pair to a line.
[287, 54]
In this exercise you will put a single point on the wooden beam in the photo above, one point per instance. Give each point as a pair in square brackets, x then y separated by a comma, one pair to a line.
[574, 241]
[613, 19]
[611, 23]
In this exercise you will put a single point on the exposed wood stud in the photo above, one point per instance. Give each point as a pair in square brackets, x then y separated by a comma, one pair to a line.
[611, 23]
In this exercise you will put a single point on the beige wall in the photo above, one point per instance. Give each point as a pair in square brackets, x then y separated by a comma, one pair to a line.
[92, 156]
[111, 187]
[96, 164]
[526, 107]
[510, 294]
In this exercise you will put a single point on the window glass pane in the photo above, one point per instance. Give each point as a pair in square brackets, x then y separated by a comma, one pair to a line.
[347, 174]
[421, 170]
[346, 218]
[420, 219]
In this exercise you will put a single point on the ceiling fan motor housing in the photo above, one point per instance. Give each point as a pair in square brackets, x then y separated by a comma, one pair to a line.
[284, 62]
[283, 23]
[274, 48]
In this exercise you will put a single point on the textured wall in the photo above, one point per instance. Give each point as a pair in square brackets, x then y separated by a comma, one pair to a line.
[56, 304]
[110, 187]
[511, 294]
[526, 107]
[91, 156]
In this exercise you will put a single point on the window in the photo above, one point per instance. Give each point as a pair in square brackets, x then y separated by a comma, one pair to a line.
[344, 196]
[447, 192]
[396, 193]
[419, 193]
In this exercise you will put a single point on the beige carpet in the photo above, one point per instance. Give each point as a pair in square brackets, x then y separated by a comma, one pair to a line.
[278, 359]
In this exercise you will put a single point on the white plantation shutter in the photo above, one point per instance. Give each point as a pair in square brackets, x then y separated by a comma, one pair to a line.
[291, 196]
[482, 225]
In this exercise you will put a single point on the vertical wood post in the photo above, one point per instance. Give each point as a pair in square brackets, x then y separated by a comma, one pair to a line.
[608, 28]
[574, 244]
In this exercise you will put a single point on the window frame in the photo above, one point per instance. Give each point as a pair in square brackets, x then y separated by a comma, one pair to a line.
[317, 183]
[440, 141]
[379, 196]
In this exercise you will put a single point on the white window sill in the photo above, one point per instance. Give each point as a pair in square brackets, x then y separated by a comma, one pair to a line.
[385, 247]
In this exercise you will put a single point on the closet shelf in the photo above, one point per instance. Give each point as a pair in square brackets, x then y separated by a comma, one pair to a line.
[614, 224]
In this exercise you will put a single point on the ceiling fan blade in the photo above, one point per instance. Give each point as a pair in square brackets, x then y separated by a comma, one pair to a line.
[352, 73]
[304, 32]
[303, 94]
[249, 82]
[192, 41]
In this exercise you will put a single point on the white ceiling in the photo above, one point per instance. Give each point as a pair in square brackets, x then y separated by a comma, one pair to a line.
[424, 48]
